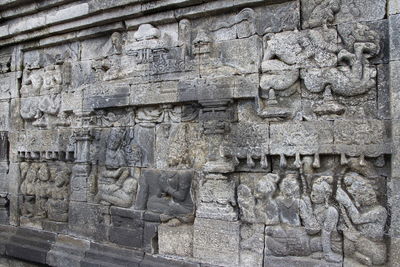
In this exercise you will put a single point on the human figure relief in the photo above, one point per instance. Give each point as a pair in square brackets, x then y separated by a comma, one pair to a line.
[259, 207]
[57, 205]
[289, 238]
[166, 192]
[116, 185]
[323, 219]
[365, 220]
[307, 226]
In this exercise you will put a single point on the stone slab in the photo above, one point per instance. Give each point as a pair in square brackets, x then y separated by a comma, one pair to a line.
[216, 241]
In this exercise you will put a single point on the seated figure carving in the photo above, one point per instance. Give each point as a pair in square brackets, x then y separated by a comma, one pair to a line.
[116, 185]
[307, 225]
[165, 192]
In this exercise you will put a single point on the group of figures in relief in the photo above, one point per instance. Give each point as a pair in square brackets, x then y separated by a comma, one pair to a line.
[45, 191]
[335, 215]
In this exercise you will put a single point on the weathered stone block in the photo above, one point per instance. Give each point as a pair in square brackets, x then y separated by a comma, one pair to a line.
[302, 137]
[67, 251]
[107, 255]
[175, 240]
[216, 241]
[89, 220]
[395, 89]
[67, 13]
[30, 245]
[383, 98]
[79, 183]
[4, 217]
[394, 24]
[252, 245]
[127, 227]
[393, 7]
[217, 200]
[150, 237]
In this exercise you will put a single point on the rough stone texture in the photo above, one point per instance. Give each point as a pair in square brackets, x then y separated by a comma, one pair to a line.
[216, 241]
[394, 7]
[394, 23]
[175, 240]
[200, 133]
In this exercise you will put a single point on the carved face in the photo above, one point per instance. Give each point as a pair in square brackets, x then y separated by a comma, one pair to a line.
[320, 191]
[362, 192]
[264, 188]
[289, 186]
[115, 139]
[43, 173]
[173, 181]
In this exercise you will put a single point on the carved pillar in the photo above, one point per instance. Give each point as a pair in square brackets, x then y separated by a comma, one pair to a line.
[216, 214]
[216, 116]
[81, 169]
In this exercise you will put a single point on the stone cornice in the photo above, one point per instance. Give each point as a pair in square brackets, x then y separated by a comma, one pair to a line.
[73, 21]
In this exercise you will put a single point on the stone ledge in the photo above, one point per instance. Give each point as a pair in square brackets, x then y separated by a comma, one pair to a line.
[181, 8]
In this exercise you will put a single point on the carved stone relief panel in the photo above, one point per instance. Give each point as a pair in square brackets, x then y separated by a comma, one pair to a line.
[187, 133]
[45, 192]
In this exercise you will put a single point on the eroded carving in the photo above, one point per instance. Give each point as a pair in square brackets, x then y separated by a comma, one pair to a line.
[364, 218]
[353, 77]
[45, 192]
[166, 193]
[284, 55]
[116, 184]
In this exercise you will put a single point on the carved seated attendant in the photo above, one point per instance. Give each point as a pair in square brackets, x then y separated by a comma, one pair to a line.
[116, 185]
[165, 192]
[323, 219]
[365, 220]
[289, 238]
[119, 192]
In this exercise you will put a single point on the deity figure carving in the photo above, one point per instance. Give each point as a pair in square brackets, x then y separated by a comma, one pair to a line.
[243, 23]
[42, 112]
[165, 192]
[322, 12]
[317, 13]
[323, 218]
[365, 220]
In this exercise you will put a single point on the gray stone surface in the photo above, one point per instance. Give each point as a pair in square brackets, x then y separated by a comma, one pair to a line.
[216, 241]
[393, 7]
[394, 22]
[200, 133]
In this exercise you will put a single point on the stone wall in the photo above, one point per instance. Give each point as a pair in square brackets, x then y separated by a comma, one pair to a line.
[200, 132]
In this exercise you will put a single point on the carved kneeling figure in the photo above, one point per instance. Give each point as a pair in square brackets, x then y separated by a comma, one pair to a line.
[365, 220]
